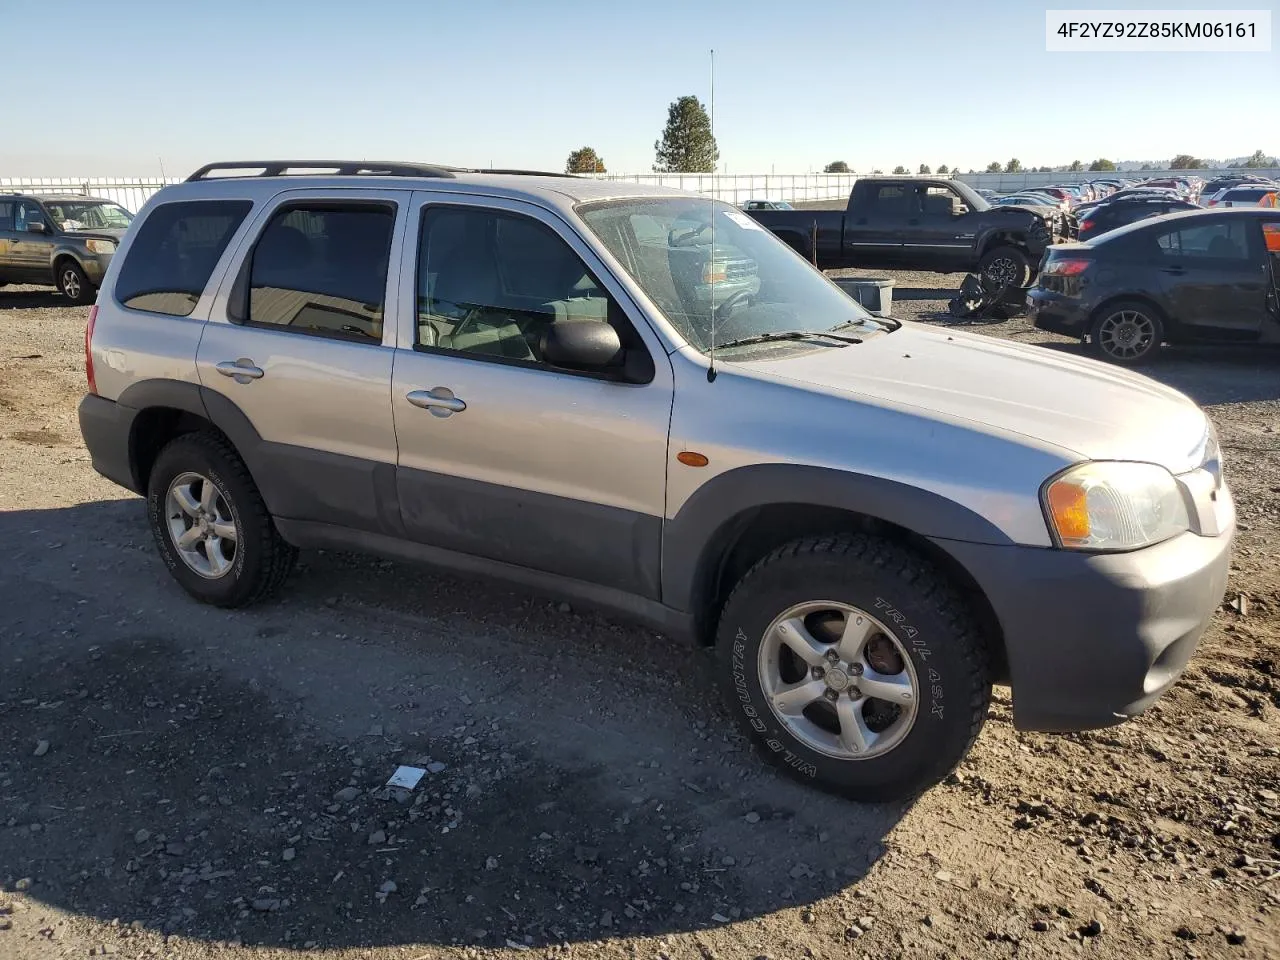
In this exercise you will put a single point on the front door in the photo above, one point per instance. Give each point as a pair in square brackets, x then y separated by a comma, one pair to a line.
[502, 455]
[1216, 277]
[935, 237]
[29, 251]
[295, 342]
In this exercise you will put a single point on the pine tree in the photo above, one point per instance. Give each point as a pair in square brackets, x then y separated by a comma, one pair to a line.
[585, 160]
[687, 144]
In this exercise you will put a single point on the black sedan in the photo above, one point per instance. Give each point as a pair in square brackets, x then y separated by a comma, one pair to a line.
[1201, 276]
[1109, 214]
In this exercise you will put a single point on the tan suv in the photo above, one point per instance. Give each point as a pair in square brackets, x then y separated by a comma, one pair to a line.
[641, 399]
[64, 239]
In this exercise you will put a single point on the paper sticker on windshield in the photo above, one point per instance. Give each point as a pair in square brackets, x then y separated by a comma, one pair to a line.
[1271, 233]
[742, 220]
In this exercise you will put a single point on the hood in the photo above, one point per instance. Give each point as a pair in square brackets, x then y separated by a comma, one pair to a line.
[1091, 409]
[1044, 212]
[100, 233]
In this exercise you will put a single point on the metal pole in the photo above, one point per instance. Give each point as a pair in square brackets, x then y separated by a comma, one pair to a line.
[713, 97]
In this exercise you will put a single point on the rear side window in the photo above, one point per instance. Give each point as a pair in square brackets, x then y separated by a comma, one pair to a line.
[322, 269]
[6, 214]
[1219, 240]
[889, 201]
[174, 253]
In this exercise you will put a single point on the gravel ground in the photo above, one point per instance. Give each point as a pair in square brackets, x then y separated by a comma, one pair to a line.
[181, 781]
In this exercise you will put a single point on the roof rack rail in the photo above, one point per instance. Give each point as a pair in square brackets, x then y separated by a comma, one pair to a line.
[341, 168]
[523, 173]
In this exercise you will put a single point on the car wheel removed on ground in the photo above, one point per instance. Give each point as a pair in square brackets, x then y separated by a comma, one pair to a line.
[536, 377]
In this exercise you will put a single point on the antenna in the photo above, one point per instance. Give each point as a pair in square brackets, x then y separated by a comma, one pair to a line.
[711, 256]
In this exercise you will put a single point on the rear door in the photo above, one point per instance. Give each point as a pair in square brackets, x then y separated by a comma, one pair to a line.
[502, 455]
[874, 228]
[1215, 276]
[299, 342]
[7, 272]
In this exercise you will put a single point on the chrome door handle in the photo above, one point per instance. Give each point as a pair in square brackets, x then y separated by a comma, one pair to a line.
[439, 400]
[242, 370]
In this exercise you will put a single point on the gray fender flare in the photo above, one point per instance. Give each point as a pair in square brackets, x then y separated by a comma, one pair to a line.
[693, 538]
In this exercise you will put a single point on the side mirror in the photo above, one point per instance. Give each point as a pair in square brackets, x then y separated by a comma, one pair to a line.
[36, 226]
[582, 345]
[959, 209]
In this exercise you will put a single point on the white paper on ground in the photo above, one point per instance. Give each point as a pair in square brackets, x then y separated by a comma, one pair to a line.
[406, 777]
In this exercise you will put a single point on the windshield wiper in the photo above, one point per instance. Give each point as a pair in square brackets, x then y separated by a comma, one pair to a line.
[888, 322]
[843, 338]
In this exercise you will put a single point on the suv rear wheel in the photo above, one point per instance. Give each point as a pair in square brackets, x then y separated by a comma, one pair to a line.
[854, 665]
[72, 282]
[211, 525]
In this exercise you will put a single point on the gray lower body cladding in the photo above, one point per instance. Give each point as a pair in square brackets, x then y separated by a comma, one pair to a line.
[1094, 639]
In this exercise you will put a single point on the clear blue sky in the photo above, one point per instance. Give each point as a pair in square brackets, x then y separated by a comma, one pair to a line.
[109, 89]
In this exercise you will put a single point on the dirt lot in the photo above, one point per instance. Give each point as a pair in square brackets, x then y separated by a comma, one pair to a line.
[180, 781]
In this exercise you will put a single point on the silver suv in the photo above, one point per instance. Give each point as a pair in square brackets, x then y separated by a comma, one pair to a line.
[514, 374]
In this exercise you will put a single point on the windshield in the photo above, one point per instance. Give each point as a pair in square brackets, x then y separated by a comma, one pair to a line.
[88, 214]
[749, 283]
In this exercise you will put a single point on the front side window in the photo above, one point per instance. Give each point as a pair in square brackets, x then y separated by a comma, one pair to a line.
[322, 269]
[490, 283]
[174, 252]
[707, 265]
[27, 212]
[88, 215]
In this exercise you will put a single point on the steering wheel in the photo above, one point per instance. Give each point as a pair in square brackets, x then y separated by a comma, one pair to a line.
[729, 306]
[686, 238]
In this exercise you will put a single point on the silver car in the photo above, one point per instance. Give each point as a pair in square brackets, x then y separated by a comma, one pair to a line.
[871, 521]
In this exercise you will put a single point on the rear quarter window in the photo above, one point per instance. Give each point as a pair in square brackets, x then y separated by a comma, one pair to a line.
[174, 252]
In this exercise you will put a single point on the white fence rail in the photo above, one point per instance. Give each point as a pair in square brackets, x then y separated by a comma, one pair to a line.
[132, 193]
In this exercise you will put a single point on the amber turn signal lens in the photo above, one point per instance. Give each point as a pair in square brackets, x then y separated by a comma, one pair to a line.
[691, 459]
[1069, 509]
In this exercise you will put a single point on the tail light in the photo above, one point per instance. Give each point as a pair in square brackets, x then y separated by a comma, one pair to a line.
[88, 349]
[1086, 225]
[1066, 267]
[1212, 203]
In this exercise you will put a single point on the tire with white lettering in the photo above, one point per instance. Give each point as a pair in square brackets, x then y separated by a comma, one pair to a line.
[854, 665]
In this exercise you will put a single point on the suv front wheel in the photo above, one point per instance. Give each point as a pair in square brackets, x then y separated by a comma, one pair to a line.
[854, 665]
[73, 284]
[211, 525]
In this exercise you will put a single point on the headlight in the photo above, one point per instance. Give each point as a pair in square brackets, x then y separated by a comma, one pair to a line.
[100, 246]
[1114, 506]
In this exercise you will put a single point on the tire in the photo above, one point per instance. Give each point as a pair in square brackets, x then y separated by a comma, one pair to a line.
[1126, 332]
[910, 612]
[1004, 267]
[73, 284]
[257, 560]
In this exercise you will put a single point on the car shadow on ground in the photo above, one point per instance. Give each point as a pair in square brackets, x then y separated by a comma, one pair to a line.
[31, 299]
[1208, 373]
[221, 774]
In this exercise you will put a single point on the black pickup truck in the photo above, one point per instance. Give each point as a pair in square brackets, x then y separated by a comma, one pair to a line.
[913, 223]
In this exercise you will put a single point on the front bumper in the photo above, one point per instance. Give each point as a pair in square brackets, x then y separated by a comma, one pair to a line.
[1056, 313]
[1094, 639]
[95, 266]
